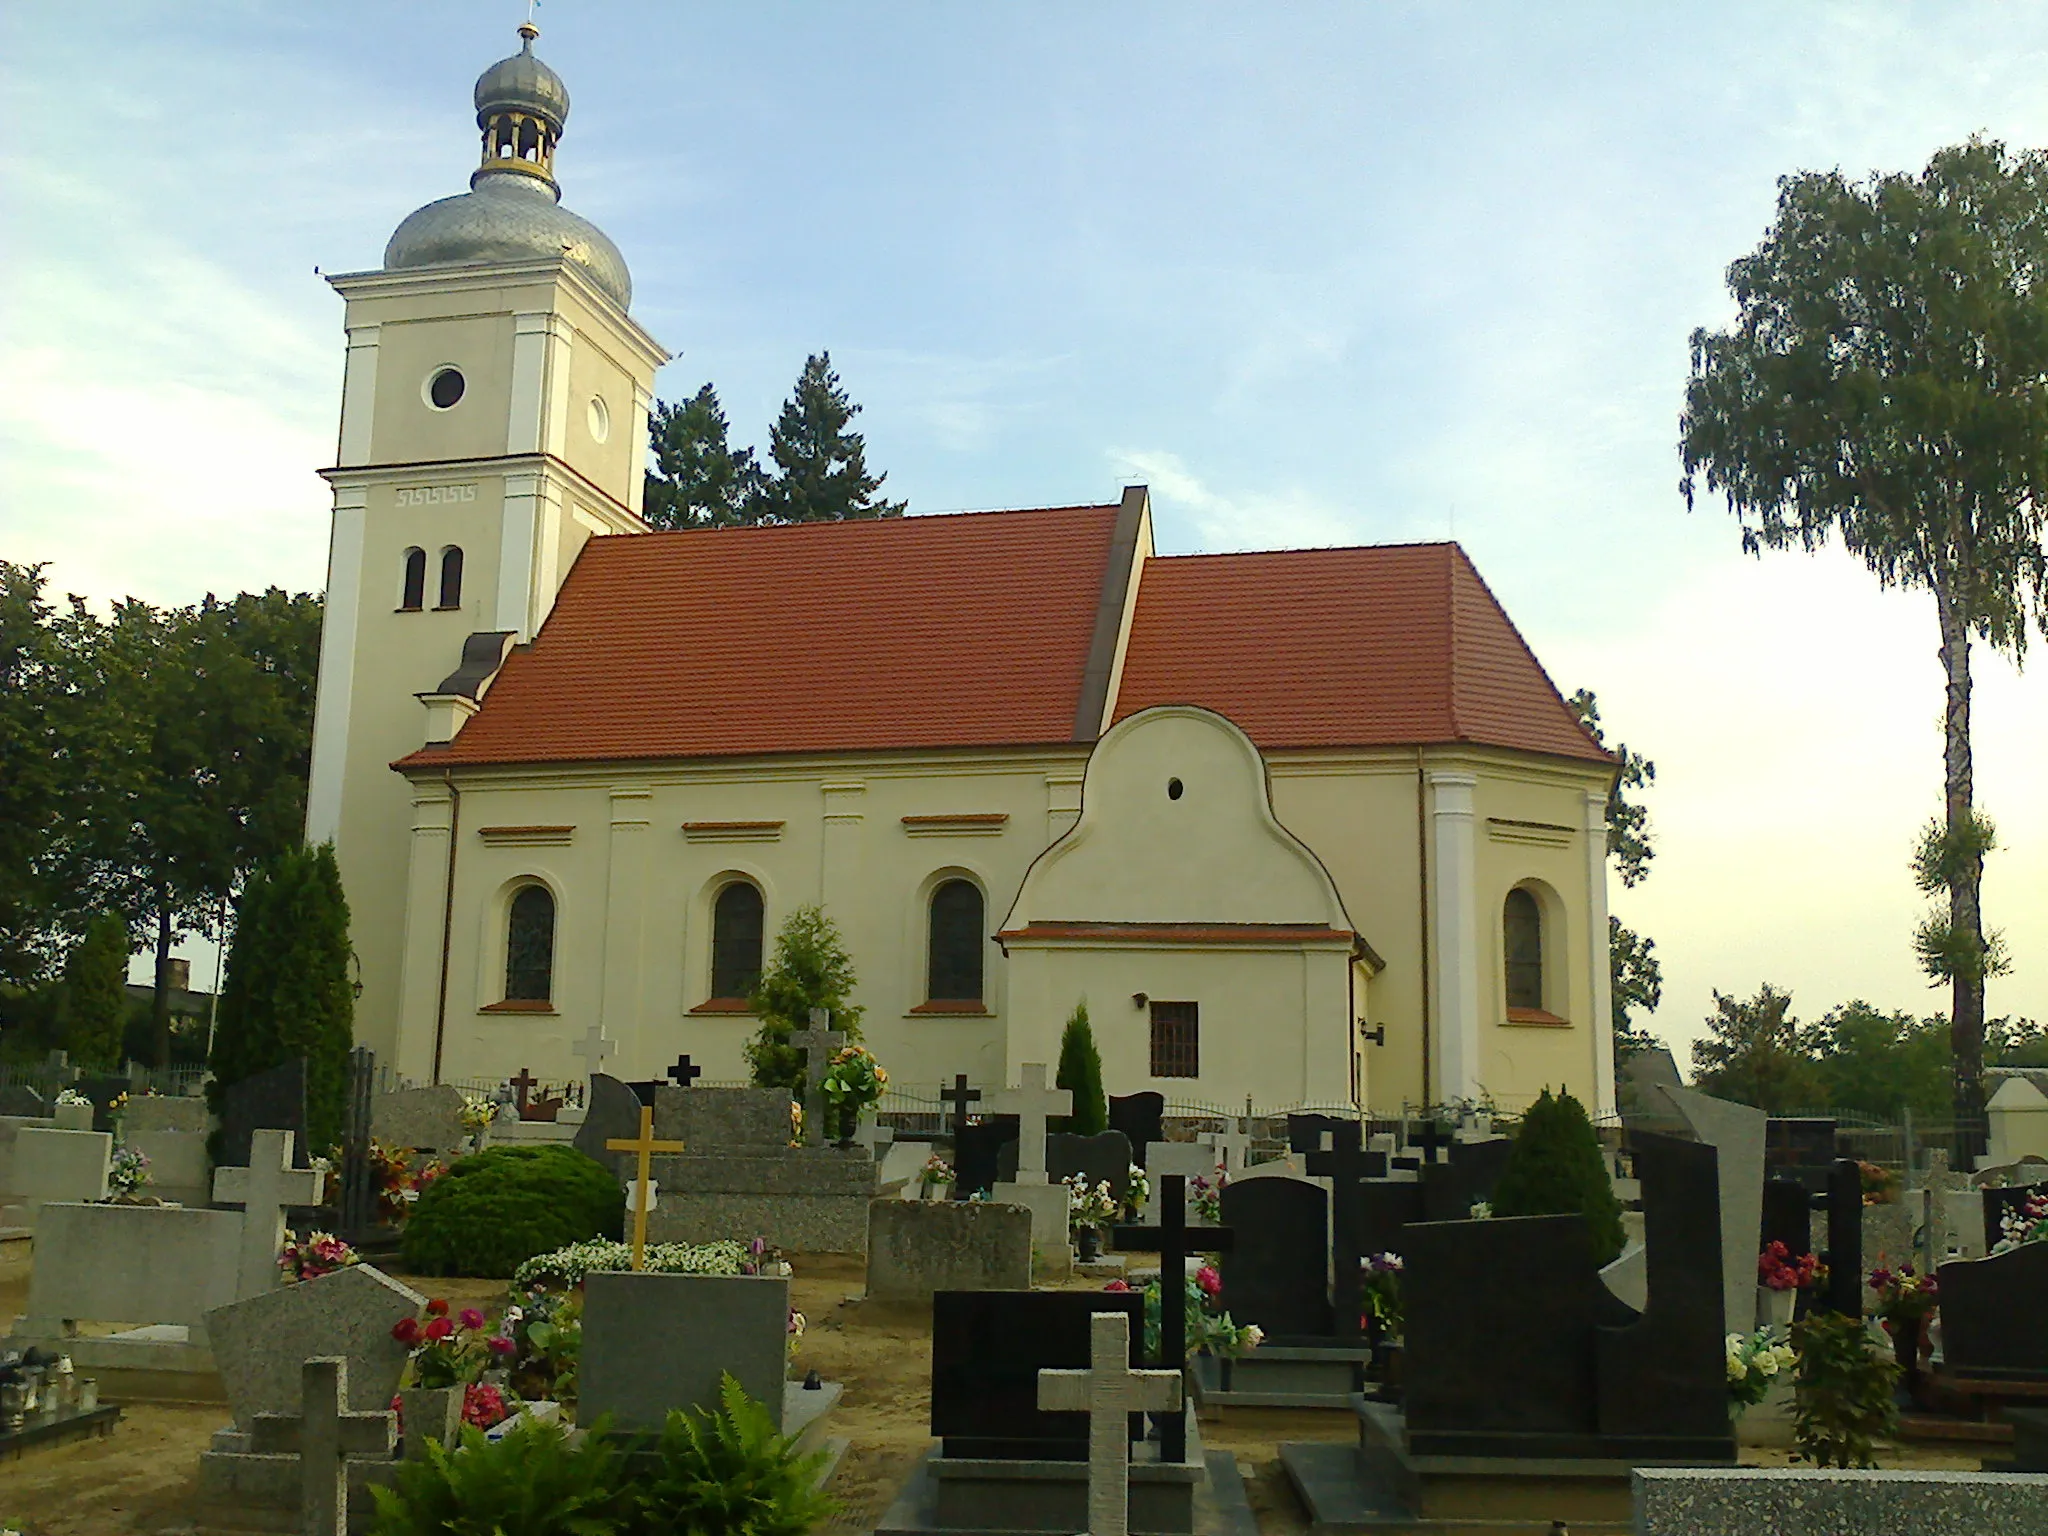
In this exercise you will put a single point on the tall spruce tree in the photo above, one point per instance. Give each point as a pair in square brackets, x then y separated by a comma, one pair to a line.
[1555, 1169]
[1080, 1073]
[287, 991]
[821, 472]
[697, 479]
[95, 997]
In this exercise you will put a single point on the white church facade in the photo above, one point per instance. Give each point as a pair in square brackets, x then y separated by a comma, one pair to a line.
[1306, 826]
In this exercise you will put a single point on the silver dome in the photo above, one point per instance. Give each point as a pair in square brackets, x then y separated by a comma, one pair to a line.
[522, 84]
[506, 218]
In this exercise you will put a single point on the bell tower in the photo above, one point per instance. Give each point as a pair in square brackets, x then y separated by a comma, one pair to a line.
[493, 418]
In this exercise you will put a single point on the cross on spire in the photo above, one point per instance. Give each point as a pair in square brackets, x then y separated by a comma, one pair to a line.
[265, 1190]
[1031, 1102]
[683, 1074]
[819, 1044]
[325, 1433]
[643, 1189]
[960, 1096]
[1173, 1240]
[1107, 1392]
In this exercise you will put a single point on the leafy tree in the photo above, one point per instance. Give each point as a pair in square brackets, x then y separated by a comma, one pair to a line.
[1555, 1169]
[1080, 1073]
[811, 969]
[1885, 1065]
[1882, 384]
[96, 994]
[286, 992]
[696, 479]
[1635, 979]
[821, 473]
[1753, 1054]
[2016, 1043]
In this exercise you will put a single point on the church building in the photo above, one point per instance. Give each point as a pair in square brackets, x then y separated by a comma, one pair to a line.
[1303, 827]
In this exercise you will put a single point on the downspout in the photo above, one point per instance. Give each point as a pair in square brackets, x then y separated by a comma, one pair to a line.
[447, 917]
[1422, 907]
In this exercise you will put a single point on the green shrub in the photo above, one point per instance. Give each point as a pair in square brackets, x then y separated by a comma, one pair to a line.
[1555, 1169]
[1841, 1391]
[533, 1481]
[492, 1212]
[810, 969]
[732, 1473]
[1080, 1073]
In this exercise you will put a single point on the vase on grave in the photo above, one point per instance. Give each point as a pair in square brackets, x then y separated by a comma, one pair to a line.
[1087, 1244]
[429, 1413]
[1774, 1308]
[1385, 1366]
[1910, 1345]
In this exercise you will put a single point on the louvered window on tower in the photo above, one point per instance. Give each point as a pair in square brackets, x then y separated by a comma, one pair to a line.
[1176, 1039]
[954, 974]
[530, 947]
[1522, 934]
[414, 591]
[735, 941]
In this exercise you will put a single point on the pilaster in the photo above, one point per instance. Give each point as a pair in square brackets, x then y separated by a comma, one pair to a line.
[426, 906]
[328, 772]
[624, 919]
[839, 871]
[1454, 916]
[358, 396]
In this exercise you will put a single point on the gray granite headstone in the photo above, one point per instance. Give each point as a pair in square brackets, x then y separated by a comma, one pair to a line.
[917, 1247]
[1736, 1133]
[270, 1101]
[260, 1343]
[613, 1114]
[425, 1119]
[656, 1342]
[21, 1100]
[164, 1112]
[708, 1120]
[1802, 1501]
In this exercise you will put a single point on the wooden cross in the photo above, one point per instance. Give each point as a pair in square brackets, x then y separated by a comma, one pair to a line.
[646, 1146]
[265, 1190]
[960, 1096]
[683, 1074]
[1107, 1392]
[324, 1434]
[595, 1048]
[1031, 1101]
[1173, 1240]
[521, 1084]
[818, 1044]
[1344, 1163]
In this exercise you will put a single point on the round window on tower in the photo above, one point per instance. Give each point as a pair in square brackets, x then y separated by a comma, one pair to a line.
[600, 419]
[444, 388]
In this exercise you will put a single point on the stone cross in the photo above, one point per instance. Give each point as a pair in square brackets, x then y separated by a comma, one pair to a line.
[595, 1048]
[683, 1074]
[265, 1190]
[521, 1085]
[325, 1433]
[1345, 1163]
[1030, 1102]
[1107, 1392]
[818, 1044]
[1173, 1240]
[960, 1096]
[1232, 1148]
[646, 1146]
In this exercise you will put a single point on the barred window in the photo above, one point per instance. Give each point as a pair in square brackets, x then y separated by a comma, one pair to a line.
[1176, 1040]
[954, 972]
[530, 947]
[736, 941]
[1522, 931]
[414, 591]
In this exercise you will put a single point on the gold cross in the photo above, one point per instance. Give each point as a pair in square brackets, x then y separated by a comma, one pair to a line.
[646, 1146]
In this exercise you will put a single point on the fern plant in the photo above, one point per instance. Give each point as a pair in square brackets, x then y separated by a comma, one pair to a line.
[731, 1473]
[533, 1482]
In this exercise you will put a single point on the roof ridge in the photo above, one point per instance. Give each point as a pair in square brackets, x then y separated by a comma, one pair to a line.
[909, 519]
[1307, 549]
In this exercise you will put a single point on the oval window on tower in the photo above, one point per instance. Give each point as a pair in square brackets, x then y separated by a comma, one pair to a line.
[600, 419]
[444, 388]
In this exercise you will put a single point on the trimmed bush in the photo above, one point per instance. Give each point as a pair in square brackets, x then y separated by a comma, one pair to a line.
[1555, 1169]
[1080, 1072]
[492, 1212]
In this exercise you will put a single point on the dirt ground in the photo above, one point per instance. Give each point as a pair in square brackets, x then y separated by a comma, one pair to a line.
[143, 1479]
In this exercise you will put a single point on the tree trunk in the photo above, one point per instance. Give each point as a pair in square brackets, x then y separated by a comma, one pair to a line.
[1965, 914]
[160, 998]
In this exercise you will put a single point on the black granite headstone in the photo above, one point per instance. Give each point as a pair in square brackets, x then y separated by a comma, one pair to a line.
[613, 1114]
[1801, 1149]
[102, 1089]
[1104, 1158]
[270, 1101]
[977, 1153]
[1994, 1314]
[1450, 1190]
[1142, 1119]
[1844, 1254]
[1788, 1217]
[20, 1099]
[2001, 1200]
[1386, 1206]
[1277, 1272]
[987, 1350]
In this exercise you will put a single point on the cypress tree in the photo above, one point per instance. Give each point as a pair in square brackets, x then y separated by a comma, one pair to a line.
[95, 1001]
[821, 468]
[1555, 1169]
[1080, 1073]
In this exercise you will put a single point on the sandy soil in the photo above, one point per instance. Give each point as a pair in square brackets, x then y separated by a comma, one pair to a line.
[143, 1479]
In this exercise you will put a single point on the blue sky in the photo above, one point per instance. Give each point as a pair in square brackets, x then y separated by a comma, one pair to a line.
[1319, 273]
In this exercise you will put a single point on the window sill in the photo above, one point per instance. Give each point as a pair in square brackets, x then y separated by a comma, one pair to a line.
[737, 1006]
[949, 1009]
[1536, 1018]
[519, 1005]
[414, 609]
[447, 607]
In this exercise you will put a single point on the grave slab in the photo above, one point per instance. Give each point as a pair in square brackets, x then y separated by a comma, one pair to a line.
[427, 1120]
[260, 1343]
[179, 1169]
[654, 1342]
[917, 1247]
[165, 1112]
[1994, 1321]
[270, 1101]
[52, 1165]
[1799, 1501]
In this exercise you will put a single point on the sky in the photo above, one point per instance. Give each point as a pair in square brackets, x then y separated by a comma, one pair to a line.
[1319, 274]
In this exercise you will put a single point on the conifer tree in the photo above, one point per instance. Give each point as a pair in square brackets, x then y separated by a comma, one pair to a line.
[1080, 1073]
[287, 990]
[821, 473]
[1555, 1169]
[95, 1001]
[810, 969]
[697, 479]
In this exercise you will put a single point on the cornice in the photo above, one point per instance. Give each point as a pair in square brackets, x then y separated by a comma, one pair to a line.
[409, 282]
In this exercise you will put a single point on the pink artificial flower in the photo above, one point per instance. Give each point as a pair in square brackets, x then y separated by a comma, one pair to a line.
[471, 1318]
[1210, 1282]
[1117, 1285]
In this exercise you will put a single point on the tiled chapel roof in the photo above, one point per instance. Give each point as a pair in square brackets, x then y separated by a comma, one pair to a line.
[975, 630]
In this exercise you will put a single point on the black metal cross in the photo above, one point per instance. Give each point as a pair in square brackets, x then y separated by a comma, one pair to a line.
[683, 1074]
[1173, 1240]
[522, 1083]
[1431, 1138]
[959, 1096]
[1344, 1164]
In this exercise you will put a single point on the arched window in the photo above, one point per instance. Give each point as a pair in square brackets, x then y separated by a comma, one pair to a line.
[415, 592]
[956, 944]
[530, 947]
[1522, 933]
[451, 577]
[735, 941]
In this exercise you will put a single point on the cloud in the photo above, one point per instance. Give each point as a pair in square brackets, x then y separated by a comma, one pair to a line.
[1286, 519]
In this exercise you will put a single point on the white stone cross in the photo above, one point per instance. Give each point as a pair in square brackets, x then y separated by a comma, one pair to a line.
[1107, 1392]
[595, 1048]
[1231, 1149]
[265, 1190]
[325, 1433]
[819, 1045]
[1031, 1102]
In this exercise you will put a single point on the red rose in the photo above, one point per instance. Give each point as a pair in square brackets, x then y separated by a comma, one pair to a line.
[406, 1331]
[437, 1308]
[438, 1330]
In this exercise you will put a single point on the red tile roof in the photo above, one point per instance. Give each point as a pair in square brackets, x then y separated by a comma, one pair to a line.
[1389, 645]
[954, 631]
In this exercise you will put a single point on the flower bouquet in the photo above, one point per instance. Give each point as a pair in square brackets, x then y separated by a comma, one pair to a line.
[317, 1254]
[1137, 1191]
[1780, 1277]
[1880, 1184]
[853, 1080]
[477, 1115]
[1209, 1327]
[1379, 1284]
[543, 1343]
[1754, 1362]
[2028, 1224]
[1206, 1196]
[1090, 1208]
[937, 1174]
[450, 1352]
[128, 1175]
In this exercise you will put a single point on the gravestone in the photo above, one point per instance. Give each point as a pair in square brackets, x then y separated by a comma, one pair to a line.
[18, 1099]
[179, 1169]
[960, 1097]
[324, 1434]
[180, 1113]
[147, 1265]
[720, 1118]
[1103, 1158]
[987, 1350]
[1031, 1103]
[1109, 1391]
[261, 1342]
[1451, 1189]
[1142, 1119]
[1736, 1133]
[1639, 1092]
[1994, 1315]
[638, 1361]
[1385, 1208]
[1276, 1274]
[270, 1101]
[978, 1154]
[1844, 1253]
[596, 1049]
[1787, 1218]
[60, 1165]
[267, 1188]
[819, 1043]
[916, 1248]
[428, 1120]
[2001, 1201]
[613, 1114]
[1175, 1242]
